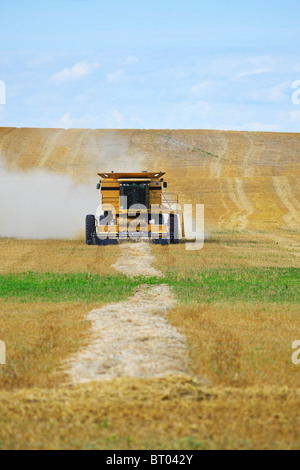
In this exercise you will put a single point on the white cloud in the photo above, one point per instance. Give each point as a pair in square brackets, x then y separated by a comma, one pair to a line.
[274, 94]
[115, 77]
[256, 127]
[202, 87]
[40, 60]
[252, 72]
[67, 121]
[115, 119]
[188, 114]
[130, 60]
[136, 121]
[77, 72]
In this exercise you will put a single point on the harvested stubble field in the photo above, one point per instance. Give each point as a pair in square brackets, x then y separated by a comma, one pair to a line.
[237, 300]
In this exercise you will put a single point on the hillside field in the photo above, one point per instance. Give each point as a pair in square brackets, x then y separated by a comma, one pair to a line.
[237, 299]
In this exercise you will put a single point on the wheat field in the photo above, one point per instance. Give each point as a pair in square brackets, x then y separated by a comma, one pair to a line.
[243, 390]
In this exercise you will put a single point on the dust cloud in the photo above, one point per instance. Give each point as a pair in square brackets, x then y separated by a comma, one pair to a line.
[43, 204]
[39, 204]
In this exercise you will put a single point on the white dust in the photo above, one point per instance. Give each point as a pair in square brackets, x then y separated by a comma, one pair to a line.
[39, 204]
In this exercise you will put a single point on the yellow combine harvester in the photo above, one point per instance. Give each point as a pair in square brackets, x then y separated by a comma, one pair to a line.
[134, 206]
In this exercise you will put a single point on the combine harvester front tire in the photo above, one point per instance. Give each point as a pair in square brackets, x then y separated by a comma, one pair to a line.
[90, 229]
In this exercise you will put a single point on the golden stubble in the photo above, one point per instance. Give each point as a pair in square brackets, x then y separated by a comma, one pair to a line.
[38, 337]
[56, 256]
[166, 413]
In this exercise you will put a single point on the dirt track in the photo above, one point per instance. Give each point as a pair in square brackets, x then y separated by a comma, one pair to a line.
[132, 338]
[135, 259]
[246, 180]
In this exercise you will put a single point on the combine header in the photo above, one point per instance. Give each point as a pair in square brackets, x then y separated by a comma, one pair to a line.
[134, 206]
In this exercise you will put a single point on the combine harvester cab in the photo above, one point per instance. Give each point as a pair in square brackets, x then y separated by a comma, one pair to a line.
[134, 206]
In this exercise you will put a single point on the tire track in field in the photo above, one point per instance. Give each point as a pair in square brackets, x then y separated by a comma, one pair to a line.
[216, 164]
[215, 171]
[49, 148]
[249, 157]
[284, 192]
[239, 218]
[77, 151]
[132, 338]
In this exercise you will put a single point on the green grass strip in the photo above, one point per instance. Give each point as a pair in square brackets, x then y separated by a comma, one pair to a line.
[31, 287]
[245, 284]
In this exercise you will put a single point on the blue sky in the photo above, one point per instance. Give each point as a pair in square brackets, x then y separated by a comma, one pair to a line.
[151, 64]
